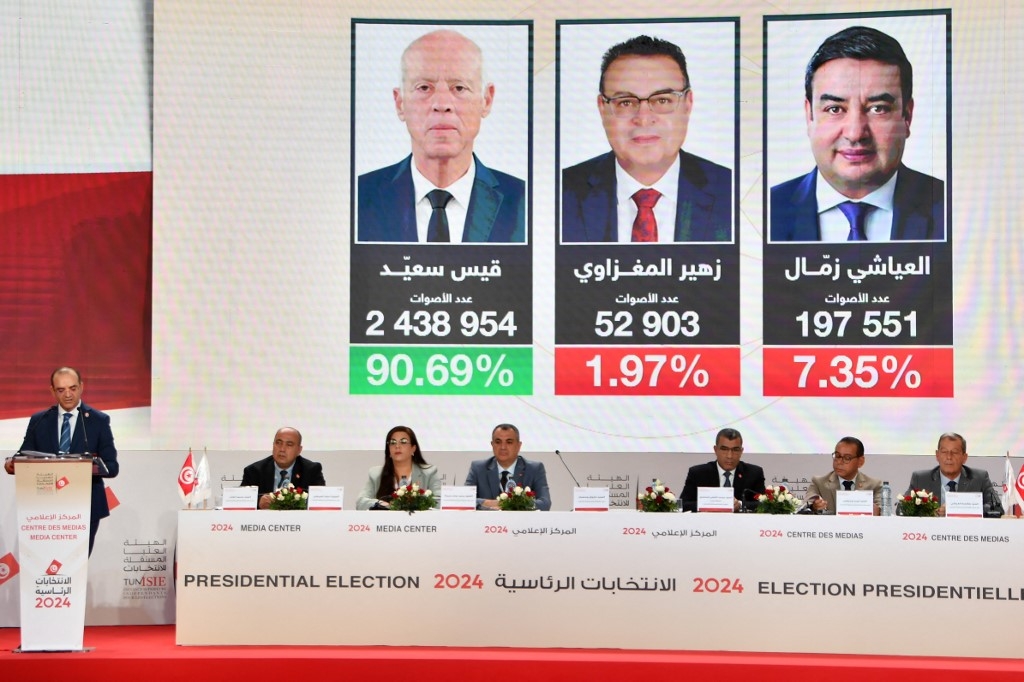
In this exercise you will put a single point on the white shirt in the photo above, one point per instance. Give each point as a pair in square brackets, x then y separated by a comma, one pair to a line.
[664, 211]
[71, 422]
[833, 223]
[457, 208]
[721, 477]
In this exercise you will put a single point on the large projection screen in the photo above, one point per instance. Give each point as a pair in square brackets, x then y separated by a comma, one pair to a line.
[265, 113]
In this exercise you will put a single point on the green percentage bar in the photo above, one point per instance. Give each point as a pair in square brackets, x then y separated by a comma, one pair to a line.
[441, 370]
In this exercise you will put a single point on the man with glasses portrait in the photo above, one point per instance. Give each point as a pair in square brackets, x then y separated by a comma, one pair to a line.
[727, 471]
[847, 459]
[646, 189]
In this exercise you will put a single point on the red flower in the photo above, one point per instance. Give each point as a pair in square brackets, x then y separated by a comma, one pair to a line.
[531, 494]
[650, 489]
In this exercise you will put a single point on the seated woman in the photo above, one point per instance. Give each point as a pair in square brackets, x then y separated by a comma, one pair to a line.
[403, 465]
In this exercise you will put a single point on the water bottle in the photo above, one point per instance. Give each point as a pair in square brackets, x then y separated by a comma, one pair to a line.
[886, 499]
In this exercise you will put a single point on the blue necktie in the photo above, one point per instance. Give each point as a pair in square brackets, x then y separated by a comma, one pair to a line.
[284, 480]
[855, 213]
[65, 434]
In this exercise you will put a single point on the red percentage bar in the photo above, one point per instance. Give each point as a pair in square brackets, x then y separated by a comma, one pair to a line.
[874, 372]
[647, 370]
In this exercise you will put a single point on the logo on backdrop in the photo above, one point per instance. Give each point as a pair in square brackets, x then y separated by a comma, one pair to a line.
[62, 482]
[54, 567]
[8, 567]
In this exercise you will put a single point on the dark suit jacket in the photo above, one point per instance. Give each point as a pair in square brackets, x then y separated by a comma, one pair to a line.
[747, 480]
[703, 201]
[92, 435]
[387, 210]
[825, 487]
[971, 481]
[263, 474]
[484, 475]
[918, 208]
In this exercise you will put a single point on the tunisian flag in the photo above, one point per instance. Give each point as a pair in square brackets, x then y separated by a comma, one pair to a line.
[187, 479]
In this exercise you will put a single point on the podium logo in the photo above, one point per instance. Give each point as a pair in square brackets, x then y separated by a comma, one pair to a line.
[8, 567]
[62, 482]
[54, 567]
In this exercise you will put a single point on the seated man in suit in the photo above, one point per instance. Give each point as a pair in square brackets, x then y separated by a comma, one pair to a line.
[646, 189]
[847, 459]
[746, 480]
[858, 105]
[285, 465]
[952, 475]
[506, 468]
[72, 427]
[441, 192]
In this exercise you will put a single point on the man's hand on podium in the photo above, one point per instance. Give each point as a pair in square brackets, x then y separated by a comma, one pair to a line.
[9, 465]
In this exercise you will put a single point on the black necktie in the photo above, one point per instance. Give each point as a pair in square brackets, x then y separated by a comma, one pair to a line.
[952, 486]
[728, 483]
[284, 479]
[855, 213]
[848, 485]
[504, 481]
[437, 228]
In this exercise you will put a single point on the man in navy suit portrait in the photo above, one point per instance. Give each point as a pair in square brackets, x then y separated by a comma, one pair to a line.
[284, 465]
[727, 471]
[507, 469]
[858, 106]
[647, 188]
[442, 192]
[72, 427]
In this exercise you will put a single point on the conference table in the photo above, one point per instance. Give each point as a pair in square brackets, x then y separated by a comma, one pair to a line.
[624, 579]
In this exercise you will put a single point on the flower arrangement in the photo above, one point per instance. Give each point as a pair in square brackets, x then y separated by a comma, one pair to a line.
[918, 502]
[518, 499]
[657, 498]
[776, 500]
[289, 497]
[412, 498]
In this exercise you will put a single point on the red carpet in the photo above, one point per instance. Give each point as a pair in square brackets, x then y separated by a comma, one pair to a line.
[149, 653]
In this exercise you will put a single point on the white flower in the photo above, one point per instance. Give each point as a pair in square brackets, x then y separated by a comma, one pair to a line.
[428, 493]
[670, 497]
[659, 489]
[415, 487]
[400, 492]
[526, 489]
[518, 490]
[503, 497]
[917, 500]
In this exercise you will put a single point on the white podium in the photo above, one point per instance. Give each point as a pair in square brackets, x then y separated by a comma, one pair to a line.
[53, 497]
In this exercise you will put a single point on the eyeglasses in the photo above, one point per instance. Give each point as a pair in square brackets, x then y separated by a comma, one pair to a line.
[403, 441]
[736, 450]
[659, 103]
[844, 458]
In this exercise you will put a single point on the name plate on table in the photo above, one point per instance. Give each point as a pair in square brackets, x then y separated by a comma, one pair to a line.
[855, 503]
[240, 498]
[325, 498]
[964, 506]
[458, 497]
[715, 500]
[590, 499]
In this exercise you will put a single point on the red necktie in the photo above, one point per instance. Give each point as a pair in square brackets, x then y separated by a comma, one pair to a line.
[645, 227]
